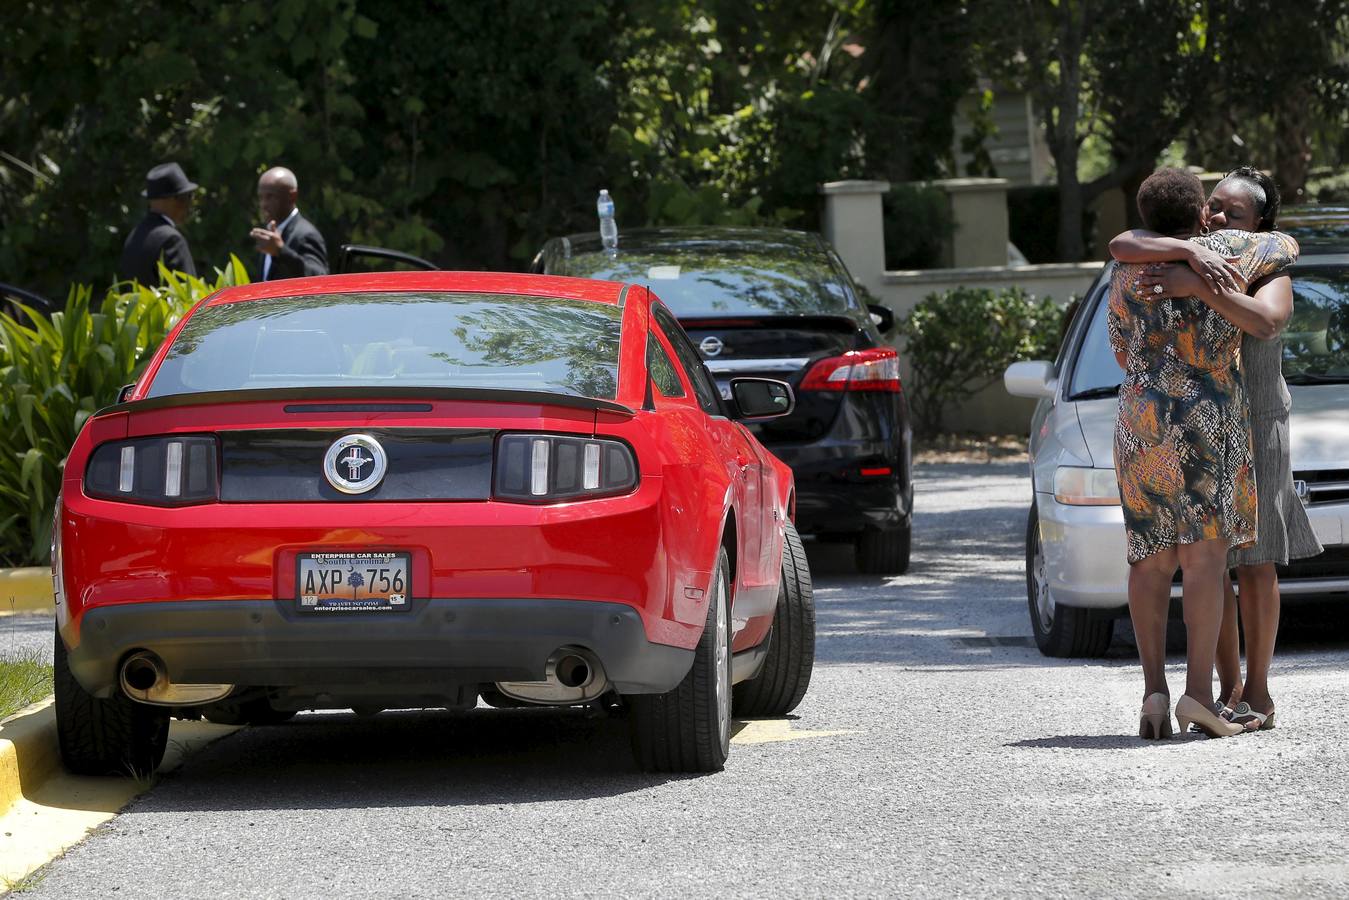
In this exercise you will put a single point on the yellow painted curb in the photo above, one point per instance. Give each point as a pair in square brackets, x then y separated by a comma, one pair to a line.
[27, 751]
[26, 590]
[43, 810]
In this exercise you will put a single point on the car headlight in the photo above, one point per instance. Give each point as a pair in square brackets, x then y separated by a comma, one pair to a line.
[1079, 486]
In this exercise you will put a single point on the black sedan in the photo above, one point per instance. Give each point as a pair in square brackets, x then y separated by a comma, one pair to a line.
[778, 303]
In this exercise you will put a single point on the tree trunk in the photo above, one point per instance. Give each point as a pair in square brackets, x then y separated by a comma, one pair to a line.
[1292, 145]
[1063, 138]
[1070, 244]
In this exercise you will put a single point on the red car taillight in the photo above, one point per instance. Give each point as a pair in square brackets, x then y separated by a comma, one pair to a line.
[876, 369]
[163, 471]
[544, 468]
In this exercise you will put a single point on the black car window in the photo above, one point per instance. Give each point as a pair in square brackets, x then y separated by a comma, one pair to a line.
[663, 373]
[726, 279]
[404, 339]
[703, 386]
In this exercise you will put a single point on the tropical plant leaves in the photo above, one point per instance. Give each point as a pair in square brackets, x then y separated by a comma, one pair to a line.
[55, 373]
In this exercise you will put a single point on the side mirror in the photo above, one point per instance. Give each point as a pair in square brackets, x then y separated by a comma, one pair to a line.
[883, 316]
[761, 398]
[124, 394]
[1035, 378]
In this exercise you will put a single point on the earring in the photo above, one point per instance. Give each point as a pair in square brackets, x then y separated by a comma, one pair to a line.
[1203, 229]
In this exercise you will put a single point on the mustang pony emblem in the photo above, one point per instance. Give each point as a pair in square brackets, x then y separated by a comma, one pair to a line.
[360, 450]
[354, 461]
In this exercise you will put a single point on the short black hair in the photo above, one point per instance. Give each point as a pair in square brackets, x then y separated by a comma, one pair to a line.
[1264, 194]
[1169, 201]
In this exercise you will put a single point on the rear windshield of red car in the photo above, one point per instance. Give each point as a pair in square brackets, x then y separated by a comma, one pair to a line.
[400, 339]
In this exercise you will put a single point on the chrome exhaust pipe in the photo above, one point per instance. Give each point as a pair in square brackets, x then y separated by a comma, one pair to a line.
[571, 675]
[144, 677]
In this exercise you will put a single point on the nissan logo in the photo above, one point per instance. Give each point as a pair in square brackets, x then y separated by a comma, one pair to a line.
[711, 345]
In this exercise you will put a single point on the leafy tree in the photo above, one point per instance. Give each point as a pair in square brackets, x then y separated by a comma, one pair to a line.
[1279, 86]
[467, 142]
[1131, 72]
[918, 64]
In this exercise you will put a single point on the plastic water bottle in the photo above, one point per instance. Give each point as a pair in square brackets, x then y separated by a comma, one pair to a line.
[608, 227]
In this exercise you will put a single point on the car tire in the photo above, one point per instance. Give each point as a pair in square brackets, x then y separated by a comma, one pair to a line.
[785, 676]
[688, 729]
[255, 711]
[116, 736]
[884, 551]
[1060, 631]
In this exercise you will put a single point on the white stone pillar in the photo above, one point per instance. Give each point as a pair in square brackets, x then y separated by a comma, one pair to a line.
[979, 210]
[853, 223]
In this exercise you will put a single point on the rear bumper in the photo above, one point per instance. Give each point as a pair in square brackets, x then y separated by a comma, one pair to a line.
[841, 507]
[832, 494]
[435, 645]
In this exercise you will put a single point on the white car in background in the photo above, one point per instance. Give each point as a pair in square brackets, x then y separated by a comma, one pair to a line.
[1076, 574]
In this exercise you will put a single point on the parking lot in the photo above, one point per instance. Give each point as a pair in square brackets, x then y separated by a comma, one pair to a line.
[937, 754]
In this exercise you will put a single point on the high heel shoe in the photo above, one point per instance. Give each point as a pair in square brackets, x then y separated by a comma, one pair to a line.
[1190, 711]
[1154, 723]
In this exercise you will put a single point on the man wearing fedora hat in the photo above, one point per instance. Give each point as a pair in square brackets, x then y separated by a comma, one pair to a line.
[169, 195]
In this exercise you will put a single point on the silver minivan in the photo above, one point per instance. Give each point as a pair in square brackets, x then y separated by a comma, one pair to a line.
[1076, 574]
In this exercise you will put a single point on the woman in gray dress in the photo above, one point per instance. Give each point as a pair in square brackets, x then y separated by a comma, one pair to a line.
[1248, 200]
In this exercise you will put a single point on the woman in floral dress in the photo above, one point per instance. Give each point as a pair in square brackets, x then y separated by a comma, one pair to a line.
[1183, 447]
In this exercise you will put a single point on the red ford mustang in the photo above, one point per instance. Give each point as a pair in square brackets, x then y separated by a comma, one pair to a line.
[416, 489]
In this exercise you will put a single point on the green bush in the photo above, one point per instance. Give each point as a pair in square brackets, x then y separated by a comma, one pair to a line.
[55, 374]
[1328, 187]
[918, 224]
[960, 341]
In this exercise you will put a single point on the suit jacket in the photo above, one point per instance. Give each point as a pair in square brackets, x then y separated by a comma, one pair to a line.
[150, 241]
[305, 252]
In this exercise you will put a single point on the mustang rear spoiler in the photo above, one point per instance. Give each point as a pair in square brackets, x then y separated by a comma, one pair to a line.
[367, 395]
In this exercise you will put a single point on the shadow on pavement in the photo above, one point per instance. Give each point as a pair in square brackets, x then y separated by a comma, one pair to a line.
[1087, 742]
[414, 758]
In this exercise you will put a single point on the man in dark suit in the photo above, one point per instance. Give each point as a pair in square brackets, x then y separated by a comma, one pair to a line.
[169, 195]
[290, 245]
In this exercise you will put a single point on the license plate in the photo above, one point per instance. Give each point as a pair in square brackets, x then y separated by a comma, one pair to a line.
[354, 582]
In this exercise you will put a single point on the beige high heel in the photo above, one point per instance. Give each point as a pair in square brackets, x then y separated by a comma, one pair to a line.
[1190, 711]
[1154, 723]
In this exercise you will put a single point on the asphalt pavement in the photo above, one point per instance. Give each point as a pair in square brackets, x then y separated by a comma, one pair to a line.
[937, 754]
